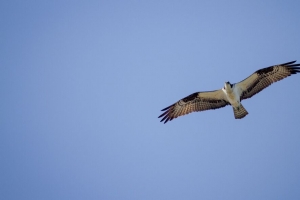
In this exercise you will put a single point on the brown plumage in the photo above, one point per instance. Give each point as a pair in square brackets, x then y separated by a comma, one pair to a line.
[198, 101]
[263, 78]
[250, 86]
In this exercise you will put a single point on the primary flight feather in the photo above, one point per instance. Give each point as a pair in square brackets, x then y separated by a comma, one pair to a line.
[230, 94]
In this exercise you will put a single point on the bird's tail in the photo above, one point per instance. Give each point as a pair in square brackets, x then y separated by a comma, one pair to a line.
[239, 112]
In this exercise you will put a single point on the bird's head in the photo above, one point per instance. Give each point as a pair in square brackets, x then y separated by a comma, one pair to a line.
[227, 85]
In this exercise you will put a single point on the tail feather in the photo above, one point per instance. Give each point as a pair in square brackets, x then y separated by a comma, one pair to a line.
[239, 112]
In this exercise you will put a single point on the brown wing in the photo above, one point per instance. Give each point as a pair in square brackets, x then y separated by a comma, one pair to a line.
[198, 101]
[262, 78]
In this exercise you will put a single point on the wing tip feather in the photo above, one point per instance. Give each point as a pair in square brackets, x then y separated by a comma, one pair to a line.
[167, 107]
[288, 63]
[166, 115]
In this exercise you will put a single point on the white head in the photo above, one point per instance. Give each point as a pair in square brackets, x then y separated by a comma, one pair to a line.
[228, 86]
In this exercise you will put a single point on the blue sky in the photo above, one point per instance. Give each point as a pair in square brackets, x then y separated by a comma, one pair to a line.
[83, 82]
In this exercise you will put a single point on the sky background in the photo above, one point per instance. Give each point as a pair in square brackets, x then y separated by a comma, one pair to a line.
[83, 82]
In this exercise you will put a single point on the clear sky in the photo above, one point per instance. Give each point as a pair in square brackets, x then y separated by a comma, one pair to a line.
[83, 82]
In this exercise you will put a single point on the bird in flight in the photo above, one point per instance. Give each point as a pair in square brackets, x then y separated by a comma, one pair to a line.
[230, 94]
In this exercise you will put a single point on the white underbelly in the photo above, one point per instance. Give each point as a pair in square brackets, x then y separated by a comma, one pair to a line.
[233, 99]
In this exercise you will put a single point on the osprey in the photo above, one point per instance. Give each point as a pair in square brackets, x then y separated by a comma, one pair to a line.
[230, 94]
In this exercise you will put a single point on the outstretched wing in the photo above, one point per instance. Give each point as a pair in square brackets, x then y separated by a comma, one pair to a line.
[262, 78]
[198, 101]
